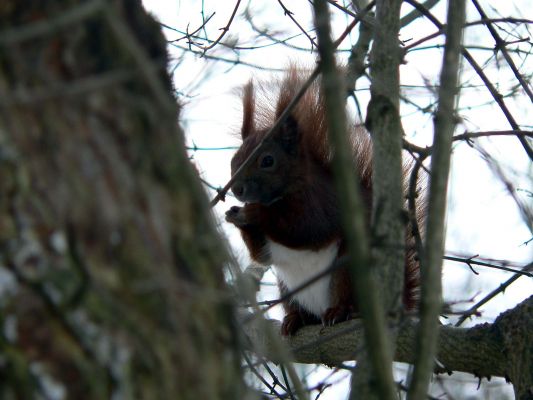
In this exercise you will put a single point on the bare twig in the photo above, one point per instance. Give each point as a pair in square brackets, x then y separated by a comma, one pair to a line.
[524, 208]
[262, 32]
[467, 136]
[289, 14]
[188, 35]
[196, 148]
[471, 261]
[500, 289]
[423, 40]
[471, 135]
[230, 45]
[500, 46]
[236, 61]
[271, 387]
[224, 29]
[486, 81]
[428, 4]
[509, 20]
[475, 47]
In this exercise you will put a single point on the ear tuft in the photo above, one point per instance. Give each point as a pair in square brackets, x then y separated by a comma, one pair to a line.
[248, 104]
[289, 134]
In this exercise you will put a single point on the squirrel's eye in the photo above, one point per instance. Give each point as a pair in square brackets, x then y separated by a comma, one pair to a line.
[267, 161]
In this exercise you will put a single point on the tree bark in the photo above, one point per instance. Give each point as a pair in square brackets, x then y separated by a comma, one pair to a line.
[118, 286]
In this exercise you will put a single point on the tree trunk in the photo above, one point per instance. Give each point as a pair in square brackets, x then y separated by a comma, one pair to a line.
[118, 286]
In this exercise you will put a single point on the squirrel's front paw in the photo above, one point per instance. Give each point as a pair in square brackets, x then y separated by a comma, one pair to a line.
[235, 215]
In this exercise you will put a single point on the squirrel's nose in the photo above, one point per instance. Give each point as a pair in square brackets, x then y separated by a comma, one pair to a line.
[238, 189]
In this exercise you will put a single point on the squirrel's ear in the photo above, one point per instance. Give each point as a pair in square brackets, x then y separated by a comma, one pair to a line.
[248, 106]
[289, 134]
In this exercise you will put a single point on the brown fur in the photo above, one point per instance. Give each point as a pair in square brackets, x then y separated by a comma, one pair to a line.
[297, 206]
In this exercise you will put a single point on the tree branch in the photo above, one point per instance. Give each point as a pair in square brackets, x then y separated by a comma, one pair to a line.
[388, 231]
[383, 122]
[352, 208]
[500, 289]
[224, 29]
[484, 350]
[431, 259]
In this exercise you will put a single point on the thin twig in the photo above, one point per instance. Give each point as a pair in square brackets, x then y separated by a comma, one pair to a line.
[471, 135]
[289, 14]
[227, 60]
[474, 309]
[263, 32]
[259, 375]
[468, 136]
[429, 4]
[500, 46]
[509, 20]
[525, 209]
[471, 261]
[486, 81]
[188, 35]
[224, 29]
[287, 383]
[196, 148]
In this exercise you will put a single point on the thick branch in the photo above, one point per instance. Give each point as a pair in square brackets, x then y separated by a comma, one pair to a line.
[383, 122]
[352, 208]
[431, 265]
[484, 350]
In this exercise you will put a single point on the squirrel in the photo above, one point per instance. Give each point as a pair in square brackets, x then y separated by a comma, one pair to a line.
[291, 217]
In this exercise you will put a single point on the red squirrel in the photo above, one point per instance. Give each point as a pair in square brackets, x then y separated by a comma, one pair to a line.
[291, 218]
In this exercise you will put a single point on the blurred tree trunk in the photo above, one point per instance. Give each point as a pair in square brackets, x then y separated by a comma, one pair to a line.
[118, 287]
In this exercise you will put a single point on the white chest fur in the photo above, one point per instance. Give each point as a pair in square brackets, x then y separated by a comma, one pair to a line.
[294, 267]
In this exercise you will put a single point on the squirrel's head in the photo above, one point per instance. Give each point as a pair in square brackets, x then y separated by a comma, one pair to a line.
[287, 157]
[273, 171]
